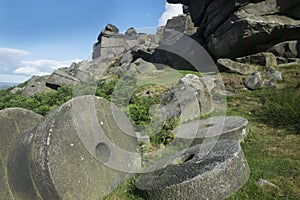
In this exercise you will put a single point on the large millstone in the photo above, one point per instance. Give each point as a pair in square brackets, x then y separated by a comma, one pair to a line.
[82, 150]
[215, 128]
[13, 122]
[209, 171]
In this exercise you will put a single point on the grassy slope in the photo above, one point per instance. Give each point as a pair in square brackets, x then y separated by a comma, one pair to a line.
[272, 150]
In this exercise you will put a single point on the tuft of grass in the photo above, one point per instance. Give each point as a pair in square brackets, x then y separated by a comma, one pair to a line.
[281, 107]
[125, 191]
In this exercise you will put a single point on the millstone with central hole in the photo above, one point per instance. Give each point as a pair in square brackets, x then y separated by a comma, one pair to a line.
[13, 122]
[215, 128]
[207, 171]
[82, 150]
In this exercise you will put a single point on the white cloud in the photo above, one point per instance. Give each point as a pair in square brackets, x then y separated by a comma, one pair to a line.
[171, 11]
[42, 67]
[10, 59]
[12, 62]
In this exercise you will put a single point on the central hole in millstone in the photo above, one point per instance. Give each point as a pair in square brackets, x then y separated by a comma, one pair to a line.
[206, 125]
[103, 152]
[184, 159]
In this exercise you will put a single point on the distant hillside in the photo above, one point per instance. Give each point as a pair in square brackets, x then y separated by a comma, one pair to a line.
[5, 85]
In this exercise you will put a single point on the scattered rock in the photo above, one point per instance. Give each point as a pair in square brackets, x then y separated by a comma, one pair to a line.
[236, 67]
[13, 123]
[254, 81]
[208, 171]
[274, 74]
[265, 183]
[262, 59]
[143, 138]
[216, 128]
[17, 89]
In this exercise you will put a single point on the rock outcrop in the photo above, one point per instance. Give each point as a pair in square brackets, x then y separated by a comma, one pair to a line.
[111, 43]
[242, 27]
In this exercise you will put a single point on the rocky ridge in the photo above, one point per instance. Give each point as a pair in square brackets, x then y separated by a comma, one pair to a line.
[250, 38]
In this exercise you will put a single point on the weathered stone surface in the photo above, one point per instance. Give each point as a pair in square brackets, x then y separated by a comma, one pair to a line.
[208, 171]
[189, 98]
[112, 43]
[37, 84]
[182, 24]
[83, 149]
[13, 123]
[61, 77]
[144, 67]
[274, 74]
[112, 28]
[254, 81]
[262, 59]
[131, 32]
[239, 28]
[288, 49]
[216, 128]
[236, 67]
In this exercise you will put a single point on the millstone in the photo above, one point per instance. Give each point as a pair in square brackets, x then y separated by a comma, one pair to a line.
[215, 128]
[13, 122]
[82, 150]
[208, 171]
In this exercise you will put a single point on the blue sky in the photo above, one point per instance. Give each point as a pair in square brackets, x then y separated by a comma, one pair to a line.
[38, 36]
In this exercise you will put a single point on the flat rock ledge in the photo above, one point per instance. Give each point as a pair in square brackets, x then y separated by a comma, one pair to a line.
[208, 171]
[215, 128]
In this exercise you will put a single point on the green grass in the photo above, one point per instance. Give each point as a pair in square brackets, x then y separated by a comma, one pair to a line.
[272, 148]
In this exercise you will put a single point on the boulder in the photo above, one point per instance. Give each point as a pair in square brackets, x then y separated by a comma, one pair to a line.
[274, 74]
[288, 49]
[239, 28]
[111, 28]
[131, 32]
[144, 67]
[236, 67]
[216, 128]
[209, 171]
[262, 59]
[61, 77]
[254, 81]
[37, 84]
[82, 149]
[189, 98]
[13, 123]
